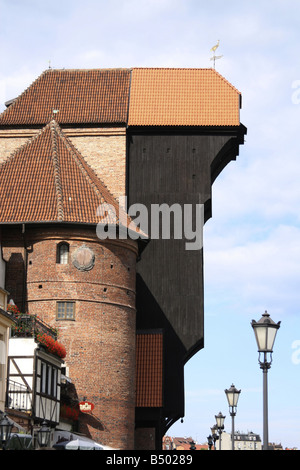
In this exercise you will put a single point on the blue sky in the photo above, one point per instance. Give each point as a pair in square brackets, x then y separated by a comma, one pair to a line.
[252, 243]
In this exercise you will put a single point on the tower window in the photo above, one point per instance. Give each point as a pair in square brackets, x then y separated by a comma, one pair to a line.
[65, 311]
[62, 256]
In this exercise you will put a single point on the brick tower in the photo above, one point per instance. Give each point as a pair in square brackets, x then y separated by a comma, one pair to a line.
[83, 285]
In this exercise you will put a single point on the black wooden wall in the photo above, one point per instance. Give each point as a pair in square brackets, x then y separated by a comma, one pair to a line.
[175, 166]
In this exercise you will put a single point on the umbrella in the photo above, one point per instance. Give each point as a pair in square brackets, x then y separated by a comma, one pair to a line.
[79, 444]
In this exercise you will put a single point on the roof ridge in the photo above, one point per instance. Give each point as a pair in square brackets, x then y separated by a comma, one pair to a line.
[57, 179]
[195, 69]
[81, 162]
[87, 69]
[95, 182]
[172, 68]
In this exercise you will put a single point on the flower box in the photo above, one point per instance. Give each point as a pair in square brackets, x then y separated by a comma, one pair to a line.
[52, 345]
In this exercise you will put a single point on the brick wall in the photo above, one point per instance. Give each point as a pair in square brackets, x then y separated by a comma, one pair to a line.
[105, 152]
[100, 341]
[10, 140]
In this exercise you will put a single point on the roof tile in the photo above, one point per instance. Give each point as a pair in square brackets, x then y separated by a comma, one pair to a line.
[149, 370]
[79, 96]
[48, 180]
[137, 97]
[182, 97]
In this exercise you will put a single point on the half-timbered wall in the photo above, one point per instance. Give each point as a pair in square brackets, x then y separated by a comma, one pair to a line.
[47, 387]
[34, 378]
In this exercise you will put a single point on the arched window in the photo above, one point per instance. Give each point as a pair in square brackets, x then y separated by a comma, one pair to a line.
[62, 256]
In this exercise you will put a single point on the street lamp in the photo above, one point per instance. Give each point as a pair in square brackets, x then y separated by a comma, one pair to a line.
[5, 430]
[232, 395]
[220, 425]
[265, 333]
[210, 441]
[43, 435]
[192, 445]
[215, 437]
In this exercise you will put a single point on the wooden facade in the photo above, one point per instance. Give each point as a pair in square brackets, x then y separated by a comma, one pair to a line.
[174, 166]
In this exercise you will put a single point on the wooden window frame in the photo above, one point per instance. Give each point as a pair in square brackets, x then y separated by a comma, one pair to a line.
[64, 318]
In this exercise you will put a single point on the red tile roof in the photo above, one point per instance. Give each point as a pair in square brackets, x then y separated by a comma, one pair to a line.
[137, 97]
[48, 180]
[182, 97]
[149, 370]
[80, 96]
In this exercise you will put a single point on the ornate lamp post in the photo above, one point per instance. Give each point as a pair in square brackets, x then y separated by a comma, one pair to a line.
[43, 435]
[5, 430]
[265, 333]
[232, 395]
[220, 425]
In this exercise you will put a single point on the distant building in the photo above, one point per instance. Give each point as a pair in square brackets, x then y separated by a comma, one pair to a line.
[273, 446]
[242, 441]
[182, 443]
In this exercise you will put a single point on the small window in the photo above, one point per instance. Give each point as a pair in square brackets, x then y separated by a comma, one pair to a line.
[43, 378]
[54, 382]
[48, 380]
[62, 256]
[65, 311]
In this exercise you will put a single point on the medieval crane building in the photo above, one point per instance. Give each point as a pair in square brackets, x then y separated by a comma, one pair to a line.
[129, 309]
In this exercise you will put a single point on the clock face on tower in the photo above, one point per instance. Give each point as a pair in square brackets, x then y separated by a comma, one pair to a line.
[83, 258]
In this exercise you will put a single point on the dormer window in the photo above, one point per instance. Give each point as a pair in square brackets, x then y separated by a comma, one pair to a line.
[62, 256]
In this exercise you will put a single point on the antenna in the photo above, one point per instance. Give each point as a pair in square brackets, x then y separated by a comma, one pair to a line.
[214, 58]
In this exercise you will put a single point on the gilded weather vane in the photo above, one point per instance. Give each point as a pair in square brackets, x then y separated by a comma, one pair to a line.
[215, 57]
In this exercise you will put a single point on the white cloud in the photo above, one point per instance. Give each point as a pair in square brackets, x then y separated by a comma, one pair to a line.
[265, 272]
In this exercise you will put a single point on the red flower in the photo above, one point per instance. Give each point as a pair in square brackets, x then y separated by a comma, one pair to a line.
[13, 309]
[52, 346]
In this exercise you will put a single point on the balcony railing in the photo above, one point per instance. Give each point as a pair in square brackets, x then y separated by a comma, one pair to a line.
[18, 396]
[28, 326]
